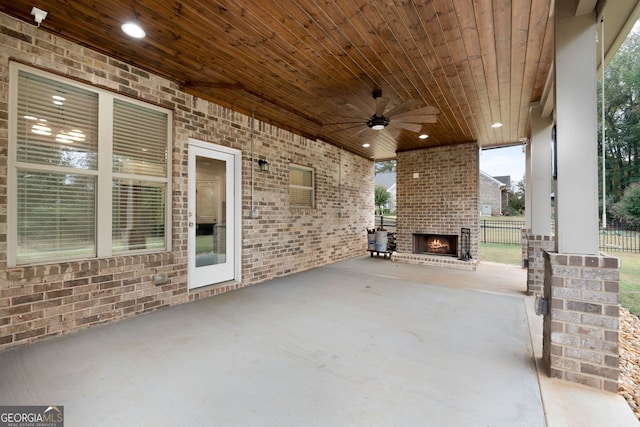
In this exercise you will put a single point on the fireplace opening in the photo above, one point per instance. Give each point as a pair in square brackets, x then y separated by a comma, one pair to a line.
[435, 244]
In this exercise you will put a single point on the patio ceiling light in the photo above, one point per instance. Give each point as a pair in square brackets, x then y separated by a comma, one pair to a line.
[133, 30]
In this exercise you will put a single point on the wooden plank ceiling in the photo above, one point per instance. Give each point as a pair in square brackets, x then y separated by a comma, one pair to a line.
[311, 66]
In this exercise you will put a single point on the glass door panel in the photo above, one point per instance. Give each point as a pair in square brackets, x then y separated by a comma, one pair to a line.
[211, 204]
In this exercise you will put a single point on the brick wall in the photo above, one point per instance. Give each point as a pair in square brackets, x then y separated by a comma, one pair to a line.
[47, 300]
[580, 333]
[536, 245]
[437, 194]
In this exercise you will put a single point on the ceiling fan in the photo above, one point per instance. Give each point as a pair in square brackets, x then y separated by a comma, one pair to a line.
[401, 116]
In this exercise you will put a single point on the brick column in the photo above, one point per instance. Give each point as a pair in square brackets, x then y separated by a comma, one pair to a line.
[536, 247]
[580, 342]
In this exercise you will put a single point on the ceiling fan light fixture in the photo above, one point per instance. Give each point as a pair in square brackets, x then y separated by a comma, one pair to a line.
[423, 136]
[133, 29]
[377, 122]
[366, 145]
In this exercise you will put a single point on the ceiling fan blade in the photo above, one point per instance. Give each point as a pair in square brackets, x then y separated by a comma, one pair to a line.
[392, 131]
[416, 119]
[408, 126]
[381, 104]
[347, 128]
[424, 111]
[354, 109]
[361, 130]
[353, 122]
[409, 103]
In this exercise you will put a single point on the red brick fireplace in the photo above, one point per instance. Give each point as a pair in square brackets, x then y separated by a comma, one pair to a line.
[437, 198]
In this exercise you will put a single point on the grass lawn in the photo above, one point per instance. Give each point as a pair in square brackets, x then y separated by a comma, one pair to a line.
[629, 280]
[504, 254]
[629, 271]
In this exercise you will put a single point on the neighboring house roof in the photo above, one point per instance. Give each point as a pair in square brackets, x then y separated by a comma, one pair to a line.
[386, 179]
[506, 180]
[498, 180]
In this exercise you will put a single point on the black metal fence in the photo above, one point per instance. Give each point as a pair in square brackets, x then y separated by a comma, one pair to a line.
[501, 232]
[612, 238]
[506, 232]
[619, 239]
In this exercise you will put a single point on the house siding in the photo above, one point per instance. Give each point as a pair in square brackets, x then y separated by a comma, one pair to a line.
[41, 301]
[491, 194]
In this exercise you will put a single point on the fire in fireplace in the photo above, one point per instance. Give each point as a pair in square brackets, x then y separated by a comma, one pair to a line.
[435, 244]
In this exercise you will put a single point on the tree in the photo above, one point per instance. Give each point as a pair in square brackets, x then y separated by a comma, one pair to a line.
[386, 166]
[622, 119]
[515, 198]
[382, 196]
[628, 208]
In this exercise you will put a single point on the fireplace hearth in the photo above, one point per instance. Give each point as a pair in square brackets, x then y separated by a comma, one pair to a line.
[435, 244]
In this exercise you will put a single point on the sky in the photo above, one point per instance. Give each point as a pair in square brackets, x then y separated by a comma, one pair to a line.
[504, 161]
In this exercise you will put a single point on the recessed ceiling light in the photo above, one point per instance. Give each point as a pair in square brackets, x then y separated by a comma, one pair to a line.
[496, 125]
[366, 145]
[423, 136]
[133, 30]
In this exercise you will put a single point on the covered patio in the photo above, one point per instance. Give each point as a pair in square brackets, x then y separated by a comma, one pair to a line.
[359, 342]
[316, 92]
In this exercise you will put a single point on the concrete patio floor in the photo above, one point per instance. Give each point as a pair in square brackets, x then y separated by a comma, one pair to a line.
[363, 342]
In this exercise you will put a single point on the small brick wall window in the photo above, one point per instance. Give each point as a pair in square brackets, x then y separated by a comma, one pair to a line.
[88, 171]
[301, 187]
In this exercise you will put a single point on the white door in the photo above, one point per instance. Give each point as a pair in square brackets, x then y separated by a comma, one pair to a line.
[213, 226]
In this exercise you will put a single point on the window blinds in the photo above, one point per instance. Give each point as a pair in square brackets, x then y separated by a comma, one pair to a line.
[140, 149]
[301, 187]
[56, 132]
[139, 140]
[57, 124]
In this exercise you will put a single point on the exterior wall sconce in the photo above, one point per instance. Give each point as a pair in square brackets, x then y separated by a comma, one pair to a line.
[263, 165]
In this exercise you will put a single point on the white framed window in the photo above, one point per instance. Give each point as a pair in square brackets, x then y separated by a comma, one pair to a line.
[89, 171]
[301, 187]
